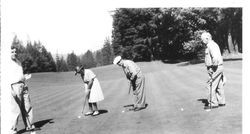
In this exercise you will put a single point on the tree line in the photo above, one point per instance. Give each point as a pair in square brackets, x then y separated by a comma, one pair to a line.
[35, 57]
[145, 34]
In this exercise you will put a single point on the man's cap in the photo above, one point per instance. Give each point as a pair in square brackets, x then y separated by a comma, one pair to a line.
[117, 59]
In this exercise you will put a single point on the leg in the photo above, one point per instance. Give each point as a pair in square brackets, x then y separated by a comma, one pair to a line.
[90, 107]
[95, 106]
[139, 93]
[96, 112]
[220, 94]
[15, 111]
[90, 112]
[16, 100]
[213, 98]
[217, 76]
[28, 110]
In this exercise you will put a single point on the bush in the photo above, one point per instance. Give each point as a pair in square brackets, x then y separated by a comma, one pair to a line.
[194, 49]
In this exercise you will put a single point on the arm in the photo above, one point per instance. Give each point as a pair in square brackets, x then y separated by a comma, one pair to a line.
[131, 72]
[90, 84]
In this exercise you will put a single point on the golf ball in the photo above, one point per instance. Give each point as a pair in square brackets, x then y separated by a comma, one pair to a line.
[123, 111]
[208, 110]
[182, 109]
[79, 116]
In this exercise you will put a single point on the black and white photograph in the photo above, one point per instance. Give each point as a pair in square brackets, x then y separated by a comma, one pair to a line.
[124, 67]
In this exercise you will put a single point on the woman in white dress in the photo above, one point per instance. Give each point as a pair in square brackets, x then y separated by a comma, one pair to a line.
[92, 89]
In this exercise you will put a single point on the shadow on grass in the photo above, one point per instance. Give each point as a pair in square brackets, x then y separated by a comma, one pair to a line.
[171, 61]
[183, 62]
[132, 105]
[102, 111]
[232, 59]
[204, 101]
[38, 125]
[43, 122]
[129, 105]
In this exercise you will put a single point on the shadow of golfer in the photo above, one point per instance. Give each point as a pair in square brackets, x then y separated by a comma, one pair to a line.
[38, 125]
[102, 111]
[204, 101]
[132, 106]
[43, 122]
[129, 105]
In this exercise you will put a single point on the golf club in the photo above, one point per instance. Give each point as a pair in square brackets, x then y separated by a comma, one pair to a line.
[84, 104]
[130, 86]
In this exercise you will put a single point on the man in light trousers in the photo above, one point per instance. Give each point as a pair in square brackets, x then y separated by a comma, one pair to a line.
[20, 103]
[214, 64]
[137, 80]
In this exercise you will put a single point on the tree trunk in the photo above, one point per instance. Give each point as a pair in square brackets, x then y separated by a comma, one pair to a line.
[230, 42]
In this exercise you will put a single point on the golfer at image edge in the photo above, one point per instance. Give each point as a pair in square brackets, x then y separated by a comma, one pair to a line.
[20, 102]
[137, 81]
[92, 89]
[214, 64]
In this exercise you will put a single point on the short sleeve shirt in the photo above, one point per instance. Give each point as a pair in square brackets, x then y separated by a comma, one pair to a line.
[88, 75]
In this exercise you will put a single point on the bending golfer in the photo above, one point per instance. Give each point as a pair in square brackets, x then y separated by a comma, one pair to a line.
[92, 89]
[214, 64]
[21, 99]
[137, 80]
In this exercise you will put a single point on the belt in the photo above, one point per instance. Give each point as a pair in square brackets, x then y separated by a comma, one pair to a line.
[214, 65]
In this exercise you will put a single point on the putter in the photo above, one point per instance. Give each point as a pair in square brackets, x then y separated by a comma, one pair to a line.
[84, 104]
[210, 106]
[130, 86]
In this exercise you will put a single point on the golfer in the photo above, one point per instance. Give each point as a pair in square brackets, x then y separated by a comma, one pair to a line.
[214, 64]
[92, 89]
[20, 101]
[137, 81]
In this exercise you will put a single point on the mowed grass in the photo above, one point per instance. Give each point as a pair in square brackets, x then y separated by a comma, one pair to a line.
[57, 100]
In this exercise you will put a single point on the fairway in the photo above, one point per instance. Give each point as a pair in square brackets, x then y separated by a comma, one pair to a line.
[175, 94]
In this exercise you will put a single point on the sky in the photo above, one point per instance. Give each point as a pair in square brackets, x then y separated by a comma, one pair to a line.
[62, 26]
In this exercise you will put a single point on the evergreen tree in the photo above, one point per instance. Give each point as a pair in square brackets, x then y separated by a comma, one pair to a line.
[98, 58]
[71, 61]
[107, 54]
[61, 64]
[34, 57]
[88, 60]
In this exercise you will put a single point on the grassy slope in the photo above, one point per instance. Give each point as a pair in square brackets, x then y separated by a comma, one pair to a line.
[57, 99]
